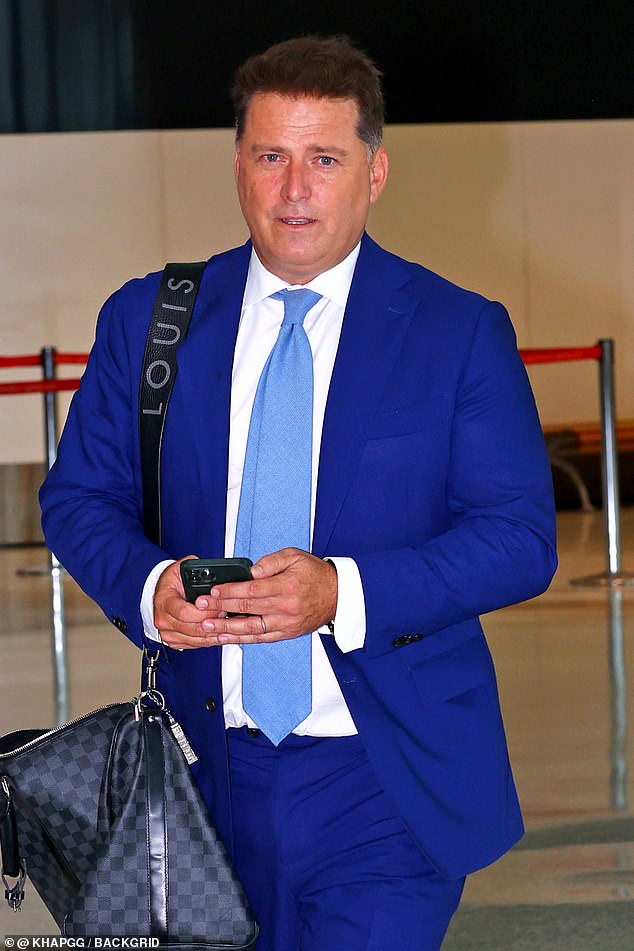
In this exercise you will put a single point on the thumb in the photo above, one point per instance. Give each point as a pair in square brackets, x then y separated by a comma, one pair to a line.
[274, 564]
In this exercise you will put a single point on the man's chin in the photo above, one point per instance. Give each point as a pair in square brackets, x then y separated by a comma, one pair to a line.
[295, 261]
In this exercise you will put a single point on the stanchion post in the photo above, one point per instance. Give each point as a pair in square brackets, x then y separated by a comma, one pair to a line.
[614, 576]
[57, 604]
[618, 685]
[609, 457]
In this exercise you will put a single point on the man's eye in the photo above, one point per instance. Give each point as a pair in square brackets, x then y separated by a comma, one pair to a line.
[326, 160]
[271, 157]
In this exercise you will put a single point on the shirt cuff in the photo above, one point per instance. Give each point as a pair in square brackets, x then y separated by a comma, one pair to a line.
[350, 617]
[147, 600]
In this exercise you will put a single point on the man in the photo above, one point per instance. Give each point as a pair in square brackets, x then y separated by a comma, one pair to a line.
[430, 497]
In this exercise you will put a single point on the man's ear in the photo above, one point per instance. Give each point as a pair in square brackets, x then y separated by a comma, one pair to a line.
[379, 167]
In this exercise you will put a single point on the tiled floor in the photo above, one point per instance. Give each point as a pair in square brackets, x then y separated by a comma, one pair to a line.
[565, 663]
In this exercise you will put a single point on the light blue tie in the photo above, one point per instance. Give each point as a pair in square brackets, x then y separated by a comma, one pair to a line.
[274, 512]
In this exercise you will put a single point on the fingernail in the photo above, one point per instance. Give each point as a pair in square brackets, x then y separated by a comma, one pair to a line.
[214, 593]
[202, 603]
[257, 570]
[208, 626]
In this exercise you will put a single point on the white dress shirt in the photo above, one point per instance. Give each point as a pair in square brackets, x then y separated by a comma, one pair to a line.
[260, 320]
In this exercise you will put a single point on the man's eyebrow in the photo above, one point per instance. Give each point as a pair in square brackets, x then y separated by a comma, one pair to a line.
[258, 147]
[328, 150]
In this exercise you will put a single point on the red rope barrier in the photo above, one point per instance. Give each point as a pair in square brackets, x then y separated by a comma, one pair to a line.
[529, 356]
[34, 361]
[39, 386]
[70, 358]
[561, 354]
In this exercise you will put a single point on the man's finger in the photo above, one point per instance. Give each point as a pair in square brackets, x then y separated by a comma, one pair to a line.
[276, 562]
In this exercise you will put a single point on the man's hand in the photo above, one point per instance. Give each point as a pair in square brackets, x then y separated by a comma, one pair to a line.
[292, 593]
[180, 623]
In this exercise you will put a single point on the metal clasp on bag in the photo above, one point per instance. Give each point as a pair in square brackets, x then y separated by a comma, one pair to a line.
[14, 894]
[151, 665]
[150, 698]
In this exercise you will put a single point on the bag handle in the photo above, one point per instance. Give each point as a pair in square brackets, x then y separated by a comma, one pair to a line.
[8, 832]
[12, 866]
[143, 732]
[168, 328]
[156, 827]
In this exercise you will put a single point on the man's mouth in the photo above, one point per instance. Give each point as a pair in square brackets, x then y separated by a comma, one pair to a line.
[298, 221]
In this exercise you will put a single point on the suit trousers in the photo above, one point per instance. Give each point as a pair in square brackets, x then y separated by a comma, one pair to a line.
[326, 861]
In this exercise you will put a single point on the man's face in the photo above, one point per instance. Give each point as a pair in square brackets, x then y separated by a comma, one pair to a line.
[305, 182]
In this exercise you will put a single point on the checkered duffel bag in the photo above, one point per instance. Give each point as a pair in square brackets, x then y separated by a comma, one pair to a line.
[103, 816]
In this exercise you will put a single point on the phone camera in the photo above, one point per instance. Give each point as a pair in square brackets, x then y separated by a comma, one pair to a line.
[202, 576]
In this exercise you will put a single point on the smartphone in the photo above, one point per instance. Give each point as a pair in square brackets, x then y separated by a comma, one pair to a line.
[199, 575]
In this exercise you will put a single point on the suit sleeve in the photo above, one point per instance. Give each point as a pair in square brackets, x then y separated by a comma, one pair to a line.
[499, 548]
[91, 500]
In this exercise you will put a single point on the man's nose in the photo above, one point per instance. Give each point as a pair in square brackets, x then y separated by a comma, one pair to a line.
[296, 184]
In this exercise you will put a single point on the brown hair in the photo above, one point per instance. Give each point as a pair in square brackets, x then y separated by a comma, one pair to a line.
[315, 66]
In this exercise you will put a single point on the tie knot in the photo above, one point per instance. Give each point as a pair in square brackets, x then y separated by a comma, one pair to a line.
[296, 304]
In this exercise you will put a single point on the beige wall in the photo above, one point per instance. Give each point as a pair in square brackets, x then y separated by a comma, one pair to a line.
[538, 215]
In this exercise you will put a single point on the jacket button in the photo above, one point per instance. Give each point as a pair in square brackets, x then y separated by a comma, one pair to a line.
[210, 704]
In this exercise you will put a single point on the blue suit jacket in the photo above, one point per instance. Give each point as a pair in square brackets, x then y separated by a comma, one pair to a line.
[432, 475]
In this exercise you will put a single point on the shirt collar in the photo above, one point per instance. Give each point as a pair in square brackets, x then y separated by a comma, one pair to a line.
[333, 284]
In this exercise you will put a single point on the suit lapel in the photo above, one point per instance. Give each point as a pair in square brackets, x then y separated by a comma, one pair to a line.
[377, 316]
[203, 389]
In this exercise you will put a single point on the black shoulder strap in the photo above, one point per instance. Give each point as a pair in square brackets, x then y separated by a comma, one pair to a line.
[168, 328]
